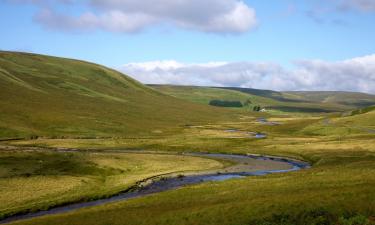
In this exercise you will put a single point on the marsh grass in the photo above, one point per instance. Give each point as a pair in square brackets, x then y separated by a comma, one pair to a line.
[338, 189]
[38, 180]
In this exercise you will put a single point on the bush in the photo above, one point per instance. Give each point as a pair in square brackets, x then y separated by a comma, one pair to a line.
[256, 108]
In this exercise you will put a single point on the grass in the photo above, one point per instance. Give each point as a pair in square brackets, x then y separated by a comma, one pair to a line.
[338, 189]
[33, 180]
[291, 102]
[248, 201]
[72, 104]
[56, 97]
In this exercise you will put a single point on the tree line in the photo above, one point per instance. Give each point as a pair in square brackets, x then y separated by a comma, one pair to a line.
[235, 104]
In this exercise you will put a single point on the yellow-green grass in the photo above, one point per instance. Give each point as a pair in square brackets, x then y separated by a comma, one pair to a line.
[338, 189]
[275, 102]
[318, 196]
[202, 95]
[347, 98]
[37, 180]
[57, 97]
[73, 104]
[346, 125]
[362, 110]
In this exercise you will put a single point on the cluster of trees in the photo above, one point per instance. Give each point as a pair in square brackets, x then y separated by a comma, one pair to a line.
[257, 108]
[223, 103]
[237, 104]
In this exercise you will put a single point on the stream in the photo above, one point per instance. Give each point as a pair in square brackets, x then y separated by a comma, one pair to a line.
[241, 166]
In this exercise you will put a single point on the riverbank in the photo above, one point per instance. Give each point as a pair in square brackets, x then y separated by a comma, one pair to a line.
[242, 166]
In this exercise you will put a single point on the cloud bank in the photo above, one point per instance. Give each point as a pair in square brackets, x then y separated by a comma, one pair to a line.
[359, 5]
[335, 11]
[131, 16]
[356, 74]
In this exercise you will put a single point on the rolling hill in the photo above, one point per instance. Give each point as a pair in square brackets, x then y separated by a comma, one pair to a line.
[360, 118]
[57, 97]
[308, 102]
[352, 99]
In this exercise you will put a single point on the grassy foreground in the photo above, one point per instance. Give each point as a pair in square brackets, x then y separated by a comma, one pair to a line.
[34, 180]
[338, 189]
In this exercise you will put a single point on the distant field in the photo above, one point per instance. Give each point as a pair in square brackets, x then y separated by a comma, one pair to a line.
[295, 102]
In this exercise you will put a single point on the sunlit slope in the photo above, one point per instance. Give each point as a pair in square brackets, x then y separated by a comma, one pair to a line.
[360, 121]
[301, 102]
[364, 118]
[362, 110]
[353, 99]
[50, 96]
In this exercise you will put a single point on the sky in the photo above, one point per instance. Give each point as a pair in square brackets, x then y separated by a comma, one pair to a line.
[274, 44]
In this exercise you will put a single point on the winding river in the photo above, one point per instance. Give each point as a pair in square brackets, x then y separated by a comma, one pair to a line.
[241, 166]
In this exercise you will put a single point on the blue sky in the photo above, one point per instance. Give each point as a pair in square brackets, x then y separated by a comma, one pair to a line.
[280, 32]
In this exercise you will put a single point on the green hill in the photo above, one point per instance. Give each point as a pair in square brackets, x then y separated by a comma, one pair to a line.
[308, 102]
[362, 110]
[363, 118]
[50, 96]
[352, 99]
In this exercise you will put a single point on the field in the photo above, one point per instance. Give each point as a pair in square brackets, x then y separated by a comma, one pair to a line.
[54, 178]
[275, 102]
[108, 143]
[338, 189]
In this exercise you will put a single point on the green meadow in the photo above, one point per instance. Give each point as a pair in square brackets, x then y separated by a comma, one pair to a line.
[68, 126]
[35, 180]
[275, 102]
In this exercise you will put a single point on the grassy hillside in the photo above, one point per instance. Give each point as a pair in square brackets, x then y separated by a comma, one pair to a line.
[302, 102]
[352, 99]
[50, 96]
[363, 119]
[363, 110]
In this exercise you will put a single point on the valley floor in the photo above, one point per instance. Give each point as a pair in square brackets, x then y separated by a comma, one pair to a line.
[338, 189]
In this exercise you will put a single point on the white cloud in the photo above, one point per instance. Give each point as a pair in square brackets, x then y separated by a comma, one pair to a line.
[361, 5]
[356, 74]
[128, 16]
[114, 21]
[335, 11]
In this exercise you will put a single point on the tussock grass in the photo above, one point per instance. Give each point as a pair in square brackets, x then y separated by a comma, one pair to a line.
[37, 180]
[338, 189]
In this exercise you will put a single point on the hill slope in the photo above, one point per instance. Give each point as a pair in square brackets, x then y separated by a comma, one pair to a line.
[50, 96]
[352, 99]
[280, 101]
